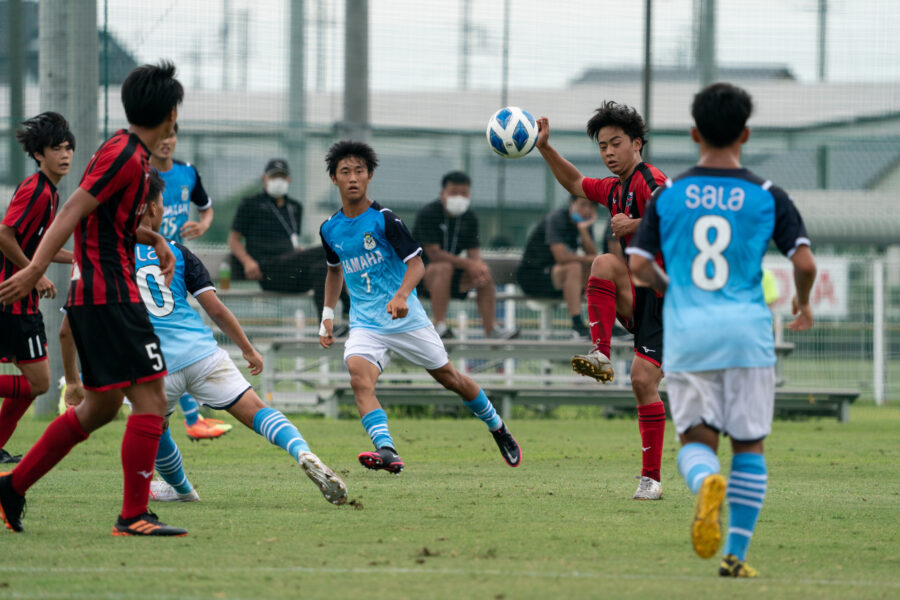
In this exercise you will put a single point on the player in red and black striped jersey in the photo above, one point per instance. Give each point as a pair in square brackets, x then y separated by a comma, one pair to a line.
[621, 134]
[47, 139]
[119, 351]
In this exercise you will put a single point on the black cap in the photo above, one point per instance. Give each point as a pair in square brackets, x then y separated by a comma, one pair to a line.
[277, 165]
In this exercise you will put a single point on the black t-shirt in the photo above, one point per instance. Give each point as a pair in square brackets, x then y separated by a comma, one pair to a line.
[452, 234]
[556, 227]
[266, 227]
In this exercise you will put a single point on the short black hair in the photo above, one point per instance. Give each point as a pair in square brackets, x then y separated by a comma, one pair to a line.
[455, 177]
[47, 129]
[175, 129]
[149, 94]
[720, 111]
[618, 115]
[347, 148]
[156, 186]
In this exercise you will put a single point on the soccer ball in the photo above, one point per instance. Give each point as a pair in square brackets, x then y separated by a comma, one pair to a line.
[511, 132]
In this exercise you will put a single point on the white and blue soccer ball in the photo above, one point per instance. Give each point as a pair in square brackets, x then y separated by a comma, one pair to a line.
[511, 132]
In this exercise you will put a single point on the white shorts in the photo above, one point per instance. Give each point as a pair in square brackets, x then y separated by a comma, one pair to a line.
[736, 401]
[213, 381]
[421, 347]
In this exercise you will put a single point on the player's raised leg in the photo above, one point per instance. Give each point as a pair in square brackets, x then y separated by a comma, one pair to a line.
[274, 426]
[477, 401]
[363, 376]
[609, 292]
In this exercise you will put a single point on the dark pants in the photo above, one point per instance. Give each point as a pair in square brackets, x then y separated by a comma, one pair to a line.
[297, 272]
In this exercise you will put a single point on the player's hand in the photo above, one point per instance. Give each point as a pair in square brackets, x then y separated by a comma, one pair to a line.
[254, 361]
[252, 270]
[543, 138]
[19, 285]
[325, 337]
[620, 224]
[804, 318]
[45, 288]
[74, 394]
[397, 308]
[192, 230]
[166, 259]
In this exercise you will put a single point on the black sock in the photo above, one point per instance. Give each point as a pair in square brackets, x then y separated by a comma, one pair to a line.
[577, 323]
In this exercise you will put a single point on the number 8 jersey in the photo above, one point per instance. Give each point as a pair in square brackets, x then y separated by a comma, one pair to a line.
[185, 338]
[713, 227]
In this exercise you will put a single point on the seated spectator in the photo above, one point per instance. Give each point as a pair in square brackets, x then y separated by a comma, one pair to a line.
[265, 241]
[446, 227]
[551, 266]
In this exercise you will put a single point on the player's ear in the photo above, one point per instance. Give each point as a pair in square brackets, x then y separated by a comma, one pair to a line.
[695, 135]
[745, 135]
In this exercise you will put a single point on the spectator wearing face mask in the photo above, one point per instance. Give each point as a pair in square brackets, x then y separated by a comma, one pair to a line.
[265, 240]
[446, 227]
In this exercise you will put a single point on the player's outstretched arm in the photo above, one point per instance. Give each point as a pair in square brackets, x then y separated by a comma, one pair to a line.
[74, 391]
[79, 205]
[565, 172]
[804, 277]
[334, 281]
[228, 323]
[397, 306]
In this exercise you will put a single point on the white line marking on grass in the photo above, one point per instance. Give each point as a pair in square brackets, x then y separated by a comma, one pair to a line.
[406, 571]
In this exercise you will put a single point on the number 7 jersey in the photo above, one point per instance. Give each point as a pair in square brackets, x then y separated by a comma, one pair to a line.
[373, 249]
[185, 338]
[713, 227]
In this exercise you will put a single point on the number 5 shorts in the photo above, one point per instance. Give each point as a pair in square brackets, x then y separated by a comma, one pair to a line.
[116, 345]
[421, 347]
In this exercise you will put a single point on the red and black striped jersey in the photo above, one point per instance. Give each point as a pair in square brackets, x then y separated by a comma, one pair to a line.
[117, 176]
[30, 213]
[630, 198]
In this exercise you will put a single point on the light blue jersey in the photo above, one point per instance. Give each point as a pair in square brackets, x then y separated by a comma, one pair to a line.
[184, 336]
[713, 227]
[183, 187]
[372, 249]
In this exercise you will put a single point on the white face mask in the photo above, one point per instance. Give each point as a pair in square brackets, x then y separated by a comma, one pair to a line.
[456, 205]
[277, 187]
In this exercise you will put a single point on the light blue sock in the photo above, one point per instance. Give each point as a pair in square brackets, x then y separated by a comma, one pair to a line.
[695, 462]
[375, 424]
[273, 426]
[482, 408]
[168, 463]
[746, 492]
[190, 409]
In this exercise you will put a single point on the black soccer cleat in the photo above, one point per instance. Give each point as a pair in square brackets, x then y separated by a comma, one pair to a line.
[12, 504]
[146, 524]
[384, 459]
[508, 445]
[6, 457]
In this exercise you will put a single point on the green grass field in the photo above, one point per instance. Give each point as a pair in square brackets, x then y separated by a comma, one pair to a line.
[459, 523]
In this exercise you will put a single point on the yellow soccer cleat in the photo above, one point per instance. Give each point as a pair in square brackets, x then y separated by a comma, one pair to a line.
[732, 566]
[706, 530]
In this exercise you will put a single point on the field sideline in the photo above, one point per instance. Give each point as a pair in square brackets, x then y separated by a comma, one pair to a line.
[459, 523]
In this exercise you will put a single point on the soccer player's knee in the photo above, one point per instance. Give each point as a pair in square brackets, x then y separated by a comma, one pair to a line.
[644, 382]
[361, 383]
[604, 266]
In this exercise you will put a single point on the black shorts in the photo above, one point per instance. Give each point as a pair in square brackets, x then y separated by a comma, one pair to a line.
[455, 282]
[646, 325]
[116, 345]
[22, 338]
[538, 283]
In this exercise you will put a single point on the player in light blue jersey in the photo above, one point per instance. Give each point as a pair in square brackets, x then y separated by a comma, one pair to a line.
[183, 188]
[199, 367]
[371, 251]
[713, 225]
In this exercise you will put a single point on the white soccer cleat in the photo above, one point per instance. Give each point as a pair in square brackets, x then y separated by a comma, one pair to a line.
[648, 489]
[160, 491]
[596, 365]
[330, 484]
